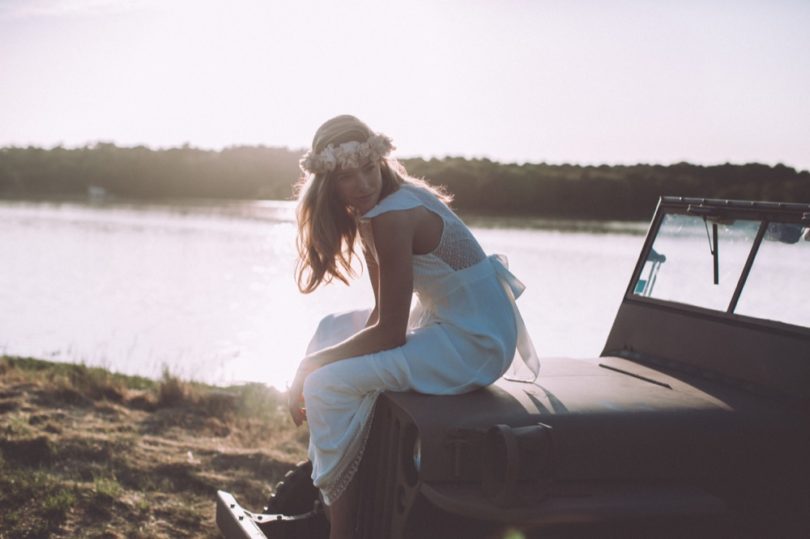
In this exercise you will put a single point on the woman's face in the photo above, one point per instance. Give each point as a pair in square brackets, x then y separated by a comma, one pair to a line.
[359, 188]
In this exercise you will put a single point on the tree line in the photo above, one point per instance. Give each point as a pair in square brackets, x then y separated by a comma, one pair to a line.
[479, 185]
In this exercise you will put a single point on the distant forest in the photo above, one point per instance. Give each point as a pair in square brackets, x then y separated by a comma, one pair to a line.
[479, 185]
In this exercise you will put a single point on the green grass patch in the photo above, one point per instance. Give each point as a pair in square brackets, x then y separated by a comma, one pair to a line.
[106, 488]
[34, 503]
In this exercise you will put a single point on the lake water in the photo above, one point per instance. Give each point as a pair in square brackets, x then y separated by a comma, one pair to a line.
[207, 289]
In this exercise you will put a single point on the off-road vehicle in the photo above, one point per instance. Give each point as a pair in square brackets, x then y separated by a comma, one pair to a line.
[694, 420]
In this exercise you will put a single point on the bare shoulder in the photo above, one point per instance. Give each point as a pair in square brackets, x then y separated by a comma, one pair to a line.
[396, 222]
[417, 229]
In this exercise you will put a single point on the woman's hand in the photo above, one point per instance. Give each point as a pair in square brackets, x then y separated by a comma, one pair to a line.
[295, 393]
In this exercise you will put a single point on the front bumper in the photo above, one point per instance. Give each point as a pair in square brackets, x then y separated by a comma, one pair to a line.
[235, 522]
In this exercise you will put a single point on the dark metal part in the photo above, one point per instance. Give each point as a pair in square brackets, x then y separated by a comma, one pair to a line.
[713, 248]
[634, 375]
[646, 249]
[749, 262]
[515, 457]
[743, 209]
[236, 522]
[231, 519]
[716, 254]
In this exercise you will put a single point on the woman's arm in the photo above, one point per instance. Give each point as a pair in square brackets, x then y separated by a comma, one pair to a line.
[393, 234]
[392, 280]
[367, 237]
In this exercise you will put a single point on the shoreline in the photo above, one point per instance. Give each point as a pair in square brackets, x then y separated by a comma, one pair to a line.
[277, 210]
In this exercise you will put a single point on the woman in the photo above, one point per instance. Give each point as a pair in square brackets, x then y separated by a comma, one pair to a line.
[461, 334]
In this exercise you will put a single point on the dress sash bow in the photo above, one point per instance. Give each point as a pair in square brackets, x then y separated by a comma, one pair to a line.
[525, 347]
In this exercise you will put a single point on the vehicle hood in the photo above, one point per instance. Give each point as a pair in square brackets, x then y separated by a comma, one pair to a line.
[610, 418]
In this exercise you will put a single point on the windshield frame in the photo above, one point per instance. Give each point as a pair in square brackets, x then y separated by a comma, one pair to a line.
[764, 212]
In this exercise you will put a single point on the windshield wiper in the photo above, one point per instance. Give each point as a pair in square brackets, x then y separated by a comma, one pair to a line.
[713, 248]
[710, 214]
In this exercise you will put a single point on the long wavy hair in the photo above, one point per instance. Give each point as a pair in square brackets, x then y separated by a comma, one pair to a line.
[327, 229]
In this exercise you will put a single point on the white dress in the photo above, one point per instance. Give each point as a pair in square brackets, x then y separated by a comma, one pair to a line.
[462, 335]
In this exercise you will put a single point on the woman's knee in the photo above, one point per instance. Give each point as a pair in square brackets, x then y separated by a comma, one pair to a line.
[314, 384]
[326, 380]
[338, 381]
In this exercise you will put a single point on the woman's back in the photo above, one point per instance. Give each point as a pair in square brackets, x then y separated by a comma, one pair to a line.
[457, 248]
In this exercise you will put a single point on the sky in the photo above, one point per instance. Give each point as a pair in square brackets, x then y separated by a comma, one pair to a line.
[577, 81]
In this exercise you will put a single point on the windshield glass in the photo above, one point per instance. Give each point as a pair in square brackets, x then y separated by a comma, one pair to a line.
[681, 265]
[778, 287]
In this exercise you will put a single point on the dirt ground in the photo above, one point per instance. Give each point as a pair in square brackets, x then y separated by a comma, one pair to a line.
[88, 453]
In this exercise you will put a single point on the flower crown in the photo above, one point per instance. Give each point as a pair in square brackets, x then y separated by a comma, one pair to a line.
[347, 155]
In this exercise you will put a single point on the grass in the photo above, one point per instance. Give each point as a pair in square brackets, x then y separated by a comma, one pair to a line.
[106, 488]
[85, 452]
[34, 503]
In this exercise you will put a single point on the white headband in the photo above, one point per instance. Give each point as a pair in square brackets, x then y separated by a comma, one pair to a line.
[347, 155]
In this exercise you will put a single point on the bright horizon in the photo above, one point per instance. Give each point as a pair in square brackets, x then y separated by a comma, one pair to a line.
[585, 82]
